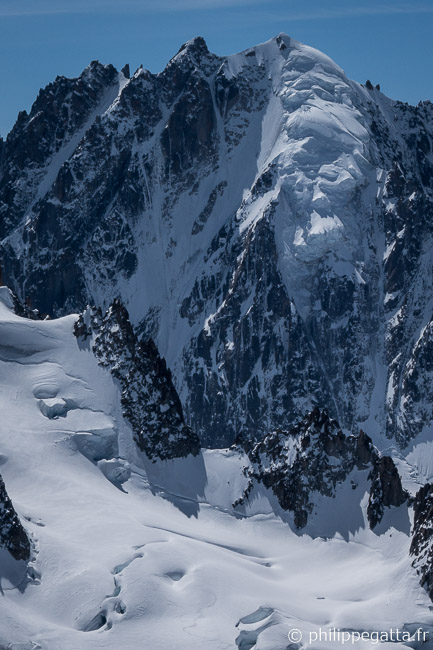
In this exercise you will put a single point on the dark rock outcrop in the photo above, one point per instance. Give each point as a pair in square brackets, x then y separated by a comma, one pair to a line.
[313, 457]
[149, 400]
[25, 310]
[13, 537]
[386, 489]
[422, 536]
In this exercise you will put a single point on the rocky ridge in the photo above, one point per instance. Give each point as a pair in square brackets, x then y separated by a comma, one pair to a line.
[314, 457]
[149, 400]
[422, 536]
[13, 537]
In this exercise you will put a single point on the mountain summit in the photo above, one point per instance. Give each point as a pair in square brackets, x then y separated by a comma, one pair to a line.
[266, 220]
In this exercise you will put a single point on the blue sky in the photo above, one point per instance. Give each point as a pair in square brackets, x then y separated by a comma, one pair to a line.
[389, 42]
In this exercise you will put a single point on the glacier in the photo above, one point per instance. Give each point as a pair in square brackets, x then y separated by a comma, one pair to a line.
[129, 553]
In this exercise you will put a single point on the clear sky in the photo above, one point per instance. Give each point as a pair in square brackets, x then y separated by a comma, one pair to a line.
[387, 41]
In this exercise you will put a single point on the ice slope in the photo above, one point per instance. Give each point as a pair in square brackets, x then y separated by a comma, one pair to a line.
[161, 561]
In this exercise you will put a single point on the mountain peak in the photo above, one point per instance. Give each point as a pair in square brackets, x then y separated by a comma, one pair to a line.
[283, 41]
[96, 69]
[196, 45]
[195, 53]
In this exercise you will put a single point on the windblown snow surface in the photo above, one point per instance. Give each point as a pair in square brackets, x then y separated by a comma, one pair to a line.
[128, 554]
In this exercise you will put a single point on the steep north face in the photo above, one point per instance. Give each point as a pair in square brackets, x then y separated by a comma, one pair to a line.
[264, 219]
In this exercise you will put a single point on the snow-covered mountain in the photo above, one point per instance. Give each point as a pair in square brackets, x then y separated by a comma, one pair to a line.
[236, 249]
[101, 547]
[263, 218]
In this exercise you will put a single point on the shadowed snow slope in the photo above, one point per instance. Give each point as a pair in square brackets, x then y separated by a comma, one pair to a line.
[133, 554]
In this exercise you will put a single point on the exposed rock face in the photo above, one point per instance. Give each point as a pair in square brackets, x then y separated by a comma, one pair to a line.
[386, 489]
[149, 399]
[13, 537]
[422, 536]
[314, 458]
[267, 221]
[20, 309]
[243, 352]
[24, 310]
